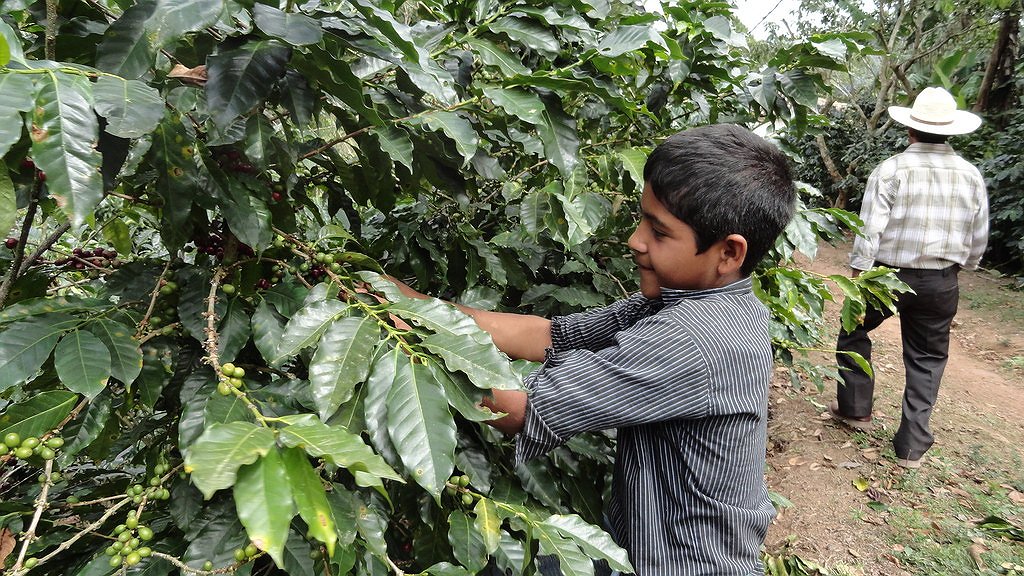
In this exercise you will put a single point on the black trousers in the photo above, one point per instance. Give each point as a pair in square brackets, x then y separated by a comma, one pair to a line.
[925, 318]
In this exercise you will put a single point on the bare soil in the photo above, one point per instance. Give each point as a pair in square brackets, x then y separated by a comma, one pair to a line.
[837, 478]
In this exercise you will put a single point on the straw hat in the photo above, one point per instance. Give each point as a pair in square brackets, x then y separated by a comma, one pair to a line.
[935, 112]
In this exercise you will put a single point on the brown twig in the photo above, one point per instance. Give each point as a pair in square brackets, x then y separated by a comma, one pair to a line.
[44, 246]
[30, 534]
[19, 254]
[152, 301]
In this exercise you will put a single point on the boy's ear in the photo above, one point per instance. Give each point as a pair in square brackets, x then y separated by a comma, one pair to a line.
[733, 253]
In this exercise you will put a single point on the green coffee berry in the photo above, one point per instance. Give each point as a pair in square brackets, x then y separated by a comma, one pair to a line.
[132, 559]
[30, 563]
[131, 522]
[115, 561]
[120, 528]
[207, 565]
[146, 533]
[145, 551]
[23, 453]
[251, 550]
[55, 442]
[12, 440]
[238, 372]
[30, 442]
[467, 499]
[47, 453]
[239, 555]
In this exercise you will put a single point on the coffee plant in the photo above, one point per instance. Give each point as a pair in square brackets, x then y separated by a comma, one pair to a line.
[202, 367]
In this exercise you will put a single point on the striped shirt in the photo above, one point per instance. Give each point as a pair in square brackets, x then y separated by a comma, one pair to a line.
[923, 208]
[684, 379]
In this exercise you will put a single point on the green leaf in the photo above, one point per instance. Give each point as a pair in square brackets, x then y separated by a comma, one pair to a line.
[517, 103]
[800, 87]
[341, 361]
[172, 19]
[591, 539]
[455, 127]
[494, 55]
[125, 354]
[172, 156]
[438, 316]
[132, 109]
[263, 501]
[420, 425]
[375, 406]
[214, 459]
[488, 524]
[267, 330]
[83, 363]
[39, 414]
[234, 331]
[338, 445]
[13, 43]
[64, 134]
[296, 555]
[259, 141]
[242, 78]
[25, 345]
[8, 198]
[85, 429]
[127, 49]
[538, 481]
[486, 367]
[528, 33]
[306, 326]
[310, 498]
[571, 560]
[295, 29]
[467, 544]
[633, 160]
[15, 97]
[462, 395]
[561, 143]
[396, 143]
[629, 38]
[247, 214]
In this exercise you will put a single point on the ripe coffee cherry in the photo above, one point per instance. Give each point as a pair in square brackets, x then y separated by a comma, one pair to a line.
[11, 243]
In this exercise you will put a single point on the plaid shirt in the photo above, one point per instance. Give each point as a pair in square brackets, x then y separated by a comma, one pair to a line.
[924, 208]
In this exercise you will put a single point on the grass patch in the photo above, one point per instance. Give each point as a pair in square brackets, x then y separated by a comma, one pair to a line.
[935, 526]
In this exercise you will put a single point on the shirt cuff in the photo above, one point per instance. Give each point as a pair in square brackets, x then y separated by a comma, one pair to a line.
[861, 262]
[536, 438]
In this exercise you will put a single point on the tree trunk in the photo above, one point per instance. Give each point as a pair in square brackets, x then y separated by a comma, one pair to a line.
[994, 94]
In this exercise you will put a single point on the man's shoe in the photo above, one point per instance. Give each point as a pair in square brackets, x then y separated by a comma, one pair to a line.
[863, 424]
[909, 463]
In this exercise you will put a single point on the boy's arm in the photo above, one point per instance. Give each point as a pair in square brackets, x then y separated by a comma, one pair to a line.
[521, 336]
[513, 404]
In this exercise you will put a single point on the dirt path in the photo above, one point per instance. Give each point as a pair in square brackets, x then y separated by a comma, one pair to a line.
[978, 424]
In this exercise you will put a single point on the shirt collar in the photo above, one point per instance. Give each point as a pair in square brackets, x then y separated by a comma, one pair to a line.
[670, 296]
[931, 148]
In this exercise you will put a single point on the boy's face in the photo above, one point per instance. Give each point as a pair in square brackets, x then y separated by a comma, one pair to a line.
[665, 250]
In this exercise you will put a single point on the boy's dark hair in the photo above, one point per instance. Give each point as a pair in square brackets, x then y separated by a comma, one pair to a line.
[723, 179]
[928, 137]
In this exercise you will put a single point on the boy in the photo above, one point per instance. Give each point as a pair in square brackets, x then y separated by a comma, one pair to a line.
[681, 369]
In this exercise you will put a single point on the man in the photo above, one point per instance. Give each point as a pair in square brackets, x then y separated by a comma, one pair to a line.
[925, 212]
